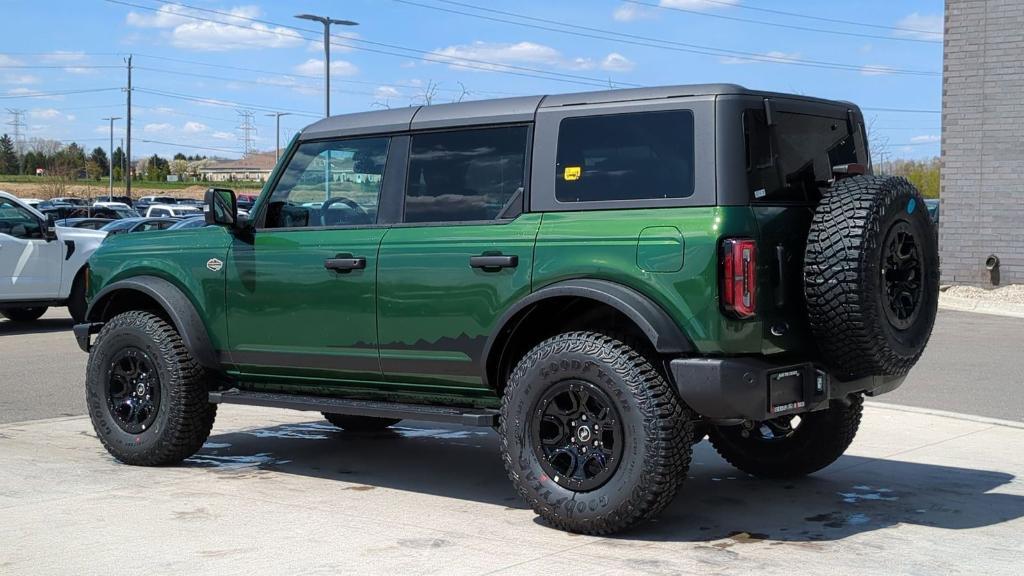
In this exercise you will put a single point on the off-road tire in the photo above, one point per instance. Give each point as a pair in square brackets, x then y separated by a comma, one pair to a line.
[184, 415]
[23, 314]
[843, 276]
[76, 300]
[359, 423]
[819, 440]
[657, 440]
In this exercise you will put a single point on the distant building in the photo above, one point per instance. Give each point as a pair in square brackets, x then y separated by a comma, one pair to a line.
[982, 210]
[254, 167]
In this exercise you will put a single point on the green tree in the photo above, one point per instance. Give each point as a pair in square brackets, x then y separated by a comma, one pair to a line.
[8, 157]
[32, 160]
[157, 168]
[117, 158]
[180, 156]
[99, 158]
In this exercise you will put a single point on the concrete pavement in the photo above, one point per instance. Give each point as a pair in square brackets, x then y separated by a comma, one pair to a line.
[277, 492]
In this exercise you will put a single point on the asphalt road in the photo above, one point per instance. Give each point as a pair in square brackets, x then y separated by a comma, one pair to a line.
[973, 365]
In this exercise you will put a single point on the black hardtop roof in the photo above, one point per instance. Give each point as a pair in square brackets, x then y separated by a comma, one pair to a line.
[516, 109]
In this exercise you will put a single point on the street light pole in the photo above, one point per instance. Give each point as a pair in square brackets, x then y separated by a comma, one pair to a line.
[277, 116]
[110, 162]
[327, 52]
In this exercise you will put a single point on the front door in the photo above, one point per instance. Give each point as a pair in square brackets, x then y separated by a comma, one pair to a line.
[30, 266]
[301, 291]
[461, 256]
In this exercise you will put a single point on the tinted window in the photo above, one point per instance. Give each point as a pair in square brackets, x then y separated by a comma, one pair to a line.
[333, 183]
[18, 222]
[465, 175]
[639, 156]
[806, 148]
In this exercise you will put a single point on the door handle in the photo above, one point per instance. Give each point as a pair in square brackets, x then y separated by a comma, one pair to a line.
[343, 263]
[493, 262]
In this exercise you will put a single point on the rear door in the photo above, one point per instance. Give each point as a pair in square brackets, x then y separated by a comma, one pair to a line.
[461, 255]
[301, 293]
[30, 266]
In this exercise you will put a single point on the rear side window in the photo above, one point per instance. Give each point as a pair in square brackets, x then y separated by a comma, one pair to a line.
[635, 156]
[465, 175]
[805, 148]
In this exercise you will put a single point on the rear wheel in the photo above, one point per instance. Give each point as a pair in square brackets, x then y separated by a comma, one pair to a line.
[23, 314]
[790, 446]
[359, 423]
[146, 394]
[592, 435]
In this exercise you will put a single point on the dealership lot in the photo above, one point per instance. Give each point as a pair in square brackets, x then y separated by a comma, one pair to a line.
[283, 492]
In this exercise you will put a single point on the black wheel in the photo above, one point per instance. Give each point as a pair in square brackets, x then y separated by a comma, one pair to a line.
[592, 435]
[871, 276]
[360, 423]
[76, 300]
[790, 446]
[146, 394]
[23, 314]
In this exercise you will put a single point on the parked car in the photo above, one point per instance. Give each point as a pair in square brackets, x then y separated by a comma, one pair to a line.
[33, 202]
[143, 203]
[41, 265]
[189, 223]
[246, 201]
[143, 224]
[120, 208]
[605, 278]
[89, 223]
[66, 211]
[172, 211]
[70, 200]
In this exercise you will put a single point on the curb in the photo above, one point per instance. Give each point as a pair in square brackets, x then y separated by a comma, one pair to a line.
[945, 414]
[1007, 309]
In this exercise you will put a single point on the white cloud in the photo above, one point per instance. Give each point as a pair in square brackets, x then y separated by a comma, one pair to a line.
[157, 128]
[629, 11]
[63, 57]
[45, 113]
[21, 79]
[6, 60]
[314, 67]
[925, 139]
[223, 136]
[500, 56]
[698, 4]
[233, 31]
[773, 56]
[921, 26]
[79, 70]
[194, 127]
[385, 92]
[340, 42]
[876, 70]
[616, 62]
[70, 117]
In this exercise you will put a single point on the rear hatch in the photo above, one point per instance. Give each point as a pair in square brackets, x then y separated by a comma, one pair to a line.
[792, 149]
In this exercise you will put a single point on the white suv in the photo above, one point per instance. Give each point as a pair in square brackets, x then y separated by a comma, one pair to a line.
[172, 211]
[41, 265]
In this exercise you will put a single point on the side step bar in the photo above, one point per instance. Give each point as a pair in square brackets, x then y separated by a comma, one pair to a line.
[481, 417]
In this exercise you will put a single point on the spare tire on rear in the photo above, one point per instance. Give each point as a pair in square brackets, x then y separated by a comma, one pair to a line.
[871, 276]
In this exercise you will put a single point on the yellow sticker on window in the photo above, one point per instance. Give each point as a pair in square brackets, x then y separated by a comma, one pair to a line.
[572, 173]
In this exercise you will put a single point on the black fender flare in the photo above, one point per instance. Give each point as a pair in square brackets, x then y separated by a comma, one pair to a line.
[175, 304]
[661, 330]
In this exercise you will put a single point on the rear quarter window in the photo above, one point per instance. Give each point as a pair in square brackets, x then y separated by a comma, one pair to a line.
[630, 156]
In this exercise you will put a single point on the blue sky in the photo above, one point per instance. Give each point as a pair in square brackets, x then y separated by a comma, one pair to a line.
[199, 62]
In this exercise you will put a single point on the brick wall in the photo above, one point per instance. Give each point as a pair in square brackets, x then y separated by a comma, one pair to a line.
[982, 182]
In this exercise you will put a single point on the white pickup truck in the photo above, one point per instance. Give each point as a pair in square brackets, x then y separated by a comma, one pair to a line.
[41, 265]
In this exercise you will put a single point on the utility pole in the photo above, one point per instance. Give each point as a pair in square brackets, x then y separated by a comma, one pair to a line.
[248, 129]
[110, 164]
[128, 136]
[18, 124]
[327, 52]
[277, 148]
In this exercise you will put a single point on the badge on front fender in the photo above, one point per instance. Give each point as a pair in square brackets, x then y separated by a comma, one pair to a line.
[214, 265]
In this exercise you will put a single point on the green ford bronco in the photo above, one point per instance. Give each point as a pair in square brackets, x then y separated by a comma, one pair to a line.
[605, 278]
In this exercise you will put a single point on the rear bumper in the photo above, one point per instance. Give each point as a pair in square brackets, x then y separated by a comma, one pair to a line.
[759, 389]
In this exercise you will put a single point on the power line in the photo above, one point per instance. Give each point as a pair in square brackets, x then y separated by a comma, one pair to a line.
[221, 102]
[180, 145]
[57, 93]
[61, 66]
[788, 26]
[733, 4]
[636, 40]
[901, 110]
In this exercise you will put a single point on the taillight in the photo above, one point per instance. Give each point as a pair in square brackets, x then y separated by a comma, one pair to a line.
[739, 277]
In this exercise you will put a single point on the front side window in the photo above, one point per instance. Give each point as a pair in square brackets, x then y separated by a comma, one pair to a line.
[333, 183]
[465, 175]
[18, 222]
[634, 156]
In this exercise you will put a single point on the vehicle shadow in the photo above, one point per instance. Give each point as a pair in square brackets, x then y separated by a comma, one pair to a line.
[717, 502]
[41, 326]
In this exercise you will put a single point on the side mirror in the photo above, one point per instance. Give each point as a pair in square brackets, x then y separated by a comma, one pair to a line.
[49, 228]
[221, 207]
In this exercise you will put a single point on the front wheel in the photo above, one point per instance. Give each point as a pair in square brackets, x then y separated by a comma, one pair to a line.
[146, 394]
[790, 446]
[593, 437]
[23, 314]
